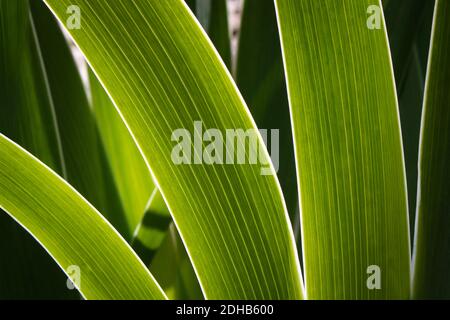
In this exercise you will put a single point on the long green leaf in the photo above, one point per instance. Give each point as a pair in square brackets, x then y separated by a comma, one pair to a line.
[27, 113]
[130, 172]
[70, 229]
[348, 150]
[154, 226]
[432, 243]
[163, 74]
[26, 116]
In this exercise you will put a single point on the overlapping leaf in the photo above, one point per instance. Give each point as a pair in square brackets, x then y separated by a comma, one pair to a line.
[85, 166]
[163, 75]
[26, 116]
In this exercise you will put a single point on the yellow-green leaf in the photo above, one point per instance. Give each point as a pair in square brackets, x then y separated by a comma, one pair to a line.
[163, 74]
[74, 233]
[348, 144]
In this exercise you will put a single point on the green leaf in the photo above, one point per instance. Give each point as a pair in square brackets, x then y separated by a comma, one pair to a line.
[432, 243]
[27, 116]
[131, 174]
[348, 148]
[163, 74]
[70, 229]
[260, 78]
[153, 228]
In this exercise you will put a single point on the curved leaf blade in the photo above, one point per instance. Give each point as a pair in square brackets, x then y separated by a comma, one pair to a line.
[432, 242]
[26, 116]
[70, 229]
[348, 150]
[232, 219]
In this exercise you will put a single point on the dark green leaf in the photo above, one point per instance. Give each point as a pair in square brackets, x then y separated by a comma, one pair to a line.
[432, 243]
